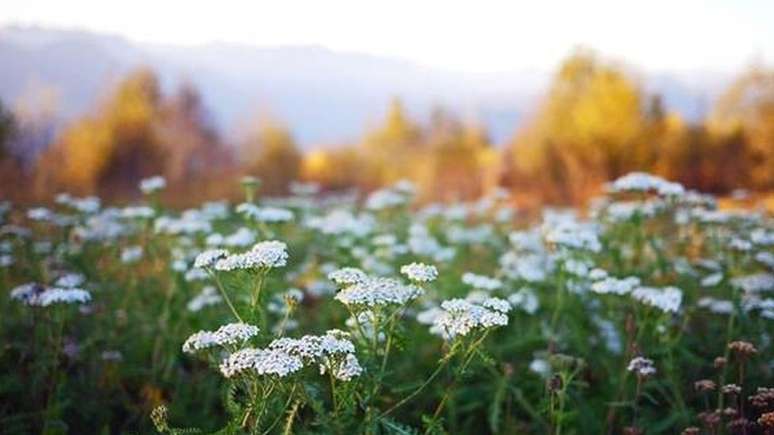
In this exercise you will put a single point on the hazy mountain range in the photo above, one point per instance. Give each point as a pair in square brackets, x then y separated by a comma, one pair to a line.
[326, 97]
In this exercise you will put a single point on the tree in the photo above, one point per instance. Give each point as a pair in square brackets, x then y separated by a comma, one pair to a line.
[391, 149]
[109, 151]
[270, 153]
[189, 140]
[590, 128]
[746, 109]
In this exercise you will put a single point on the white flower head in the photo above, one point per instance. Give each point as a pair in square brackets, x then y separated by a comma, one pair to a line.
[378, 291]
[153, 184]
[419, 272]
[209, 257]
[263, 255]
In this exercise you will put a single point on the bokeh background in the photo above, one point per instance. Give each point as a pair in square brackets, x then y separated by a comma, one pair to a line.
[548, 100]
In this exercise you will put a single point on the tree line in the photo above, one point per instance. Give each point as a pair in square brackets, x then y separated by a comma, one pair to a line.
[595, 123]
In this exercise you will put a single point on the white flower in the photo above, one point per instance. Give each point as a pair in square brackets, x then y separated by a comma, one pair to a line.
[419, 272]
[497, 304]
[131, 254]
[612, 285]
[641, 366]
[40, 214]
[230, 334]
[152, 184]
[347, 276]
[754, 283]
[61, 296]
[644, 182]
[209, 257]
[261, 362]
[263, 255]
[265, 214]
[207, 297]
[525, 299]
[378, 291]
[70, 280]
[481, 282]
[667, 299]
[460, 317]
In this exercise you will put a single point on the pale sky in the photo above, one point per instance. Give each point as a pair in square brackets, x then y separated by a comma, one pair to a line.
[480, 35]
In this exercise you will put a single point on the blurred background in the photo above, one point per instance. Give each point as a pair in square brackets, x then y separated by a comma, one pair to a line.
[548, 100]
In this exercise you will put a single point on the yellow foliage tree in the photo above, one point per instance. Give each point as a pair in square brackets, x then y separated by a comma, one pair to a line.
[270, 153]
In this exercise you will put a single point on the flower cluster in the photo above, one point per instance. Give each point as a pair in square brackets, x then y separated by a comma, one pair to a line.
[332, 352]
[263, 255]
[641, 366]
[36, 295]
[419, 272]
[459, 316]
[226, 335]
[378, 291]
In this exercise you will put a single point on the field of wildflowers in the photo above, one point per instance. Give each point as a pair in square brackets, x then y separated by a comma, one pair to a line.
[648, 312]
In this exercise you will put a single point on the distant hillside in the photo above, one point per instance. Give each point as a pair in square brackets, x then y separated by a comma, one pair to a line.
[326, 97]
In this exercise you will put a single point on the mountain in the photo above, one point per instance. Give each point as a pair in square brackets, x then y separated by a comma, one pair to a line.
[326, 97]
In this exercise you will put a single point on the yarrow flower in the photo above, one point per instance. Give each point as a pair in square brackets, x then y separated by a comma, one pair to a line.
[226, 335]
[419, 272]
[481, 282]
[611, 285]
[332, 352]
[265, 214]
[152, 184]
[263, 255]
[261, 362]
[667, 299]
[378, 291]
[36, 295]
[460, 317]
[347, 276]
[641, 366]
[209, 257]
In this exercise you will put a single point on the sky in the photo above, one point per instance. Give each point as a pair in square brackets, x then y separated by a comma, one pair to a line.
[470, 36]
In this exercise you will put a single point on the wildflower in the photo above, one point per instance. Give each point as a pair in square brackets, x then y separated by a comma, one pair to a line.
[378, 291]
[131, 254]
[40, 214]
[229, 334]
[743, 349]
[209, 257]
[70, 280]
[152, 184]
[766, 420]
[419, 272]
[57, 295]
[261, 362]
[667, 299]
[481, 282]
[265, 214]
[643, 367]
[263, 255]
[348, 276]
[704, 385]
[644, 182]
[207, 297]
[461, 317]
[611, 285]
[525, 299]
[731, 389]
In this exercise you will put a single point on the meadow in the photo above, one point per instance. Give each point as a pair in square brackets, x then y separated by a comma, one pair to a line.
[647, 312]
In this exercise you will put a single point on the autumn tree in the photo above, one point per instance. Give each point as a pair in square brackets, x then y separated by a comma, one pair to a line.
[391, 149]
[746, 111]
[270, 153]
[589, 128]
[108, 151]
[455, 159]
[188, 138]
